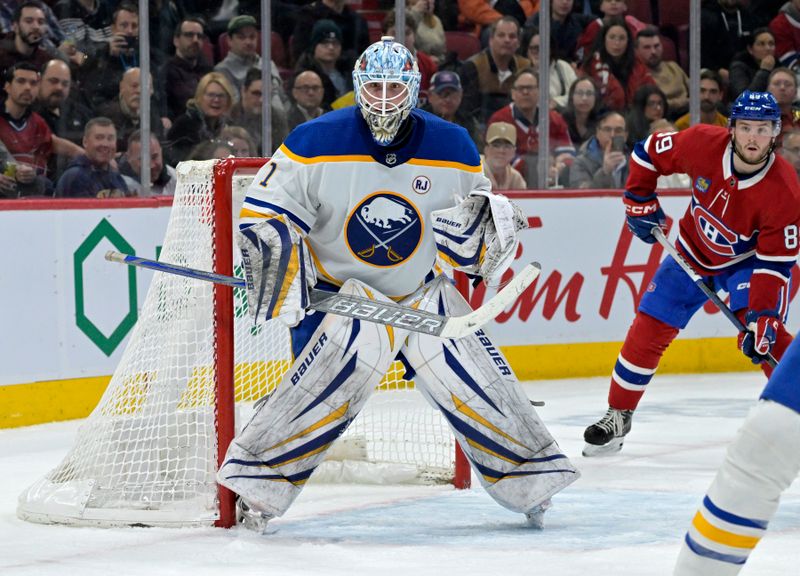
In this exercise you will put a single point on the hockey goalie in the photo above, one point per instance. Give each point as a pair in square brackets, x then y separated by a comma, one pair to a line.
[366, 200]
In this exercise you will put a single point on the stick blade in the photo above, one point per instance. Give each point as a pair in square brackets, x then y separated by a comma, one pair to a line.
[460, 326]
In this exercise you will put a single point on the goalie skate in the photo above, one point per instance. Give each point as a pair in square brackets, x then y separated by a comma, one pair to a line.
[253, 519]
[606, 436]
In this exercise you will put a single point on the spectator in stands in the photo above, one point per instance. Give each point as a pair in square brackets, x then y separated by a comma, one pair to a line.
[65, 116]
[243, 53]
[86, 25]
[501, 142]
[566, 26]
[240, 140]
[790, 148]
[710, 98]
[324, 58]
[163, 177]
[487, 77]
[750, 68]
[8, 185]
[353, 32]
[307, 92]
[444, 99]
[583, 108]
[523, 114]
[667, 74]
[183, 71]
[54, 35]
[92, 174]
[205, 116]
[211, 149]
[427, 66]
[649, 105]
[782, 84]
[724, 25]
[787, 36]
[429, 32]
[562, 74]
[123, 110]
[614, 66]
[24, 44]
[603, 161]
[26, 135]
[247, 113]
[101, 75]
[613, 10]
[483, 13]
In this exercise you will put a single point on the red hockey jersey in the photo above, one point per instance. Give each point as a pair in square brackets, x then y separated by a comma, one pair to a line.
[731, 217]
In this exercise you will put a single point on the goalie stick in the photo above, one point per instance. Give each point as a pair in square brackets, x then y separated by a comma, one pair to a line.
[387, 313]
[658, 233]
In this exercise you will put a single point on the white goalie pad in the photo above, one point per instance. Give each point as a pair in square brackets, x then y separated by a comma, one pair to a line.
[479, 235]
[269, 462]
[278, 270]
[516, 459]
[761, 462]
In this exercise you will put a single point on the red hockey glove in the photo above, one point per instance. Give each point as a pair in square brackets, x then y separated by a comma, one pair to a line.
[642, 213]
[762, 331]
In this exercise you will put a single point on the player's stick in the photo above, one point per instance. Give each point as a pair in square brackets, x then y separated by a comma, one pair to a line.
[371, 310]
[698, 280]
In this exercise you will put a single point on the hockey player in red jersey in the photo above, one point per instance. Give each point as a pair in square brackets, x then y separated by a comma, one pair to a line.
[740, 232]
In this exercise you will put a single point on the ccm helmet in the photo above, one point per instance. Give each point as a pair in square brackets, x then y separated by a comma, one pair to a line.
[386, 81]
[756, 106]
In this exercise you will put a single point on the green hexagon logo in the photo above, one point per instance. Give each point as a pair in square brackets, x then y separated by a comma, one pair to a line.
[106, 343]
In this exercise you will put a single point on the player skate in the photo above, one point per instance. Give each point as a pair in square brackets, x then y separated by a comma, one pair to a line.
[606, 436]
[252, 519]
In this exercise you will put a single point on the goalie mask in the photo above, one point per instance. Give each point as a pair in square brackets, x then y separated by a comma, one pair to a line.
[386, 81]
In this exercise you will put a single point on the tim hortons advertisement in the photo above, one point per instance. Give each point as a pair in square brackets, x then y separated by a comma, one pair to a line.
[593, 272]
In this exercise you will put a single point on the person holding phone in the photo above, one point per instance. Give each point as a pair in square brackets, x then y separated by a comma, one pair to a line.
[602, 161]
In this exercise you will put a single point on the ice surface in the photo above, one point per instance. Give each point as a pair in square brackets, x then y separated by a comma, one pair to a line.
[625, 516]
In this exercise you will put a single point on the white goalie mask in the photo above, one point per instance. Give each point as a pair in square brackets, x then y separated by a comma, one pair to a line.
[386, 81]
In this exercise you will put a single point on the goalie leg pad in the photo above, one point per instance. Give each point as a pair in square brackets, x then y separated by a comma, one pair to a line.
[269, 462]
[761, 462]
[516, 459]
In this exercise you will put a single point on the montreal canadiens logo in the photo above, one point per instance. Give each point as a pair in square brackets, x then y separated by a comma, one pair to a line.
[713, 233]
[383, 230]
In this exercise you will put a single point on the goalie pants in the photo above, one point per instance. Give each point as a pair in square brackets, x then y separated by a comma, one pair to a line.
[665, 309]
[761, 462]
[468, 380]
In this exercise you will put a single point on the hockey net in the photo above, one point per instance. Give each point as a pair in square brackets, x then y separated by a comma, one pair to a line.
[189, 376]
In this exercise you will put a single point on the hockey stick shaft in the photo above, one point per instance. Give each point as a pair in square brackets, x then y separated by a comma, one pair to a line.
[658, 233]
[388, 313]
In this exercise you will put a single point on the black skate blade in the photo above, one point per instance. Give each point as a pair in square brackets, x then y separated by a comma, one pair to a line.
[613, 447]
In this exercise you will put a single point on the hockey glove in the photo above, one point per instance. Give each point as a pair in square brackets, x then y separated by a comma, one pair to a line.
[479, 235]
[762, 331]
[277, 269]
[642, 214]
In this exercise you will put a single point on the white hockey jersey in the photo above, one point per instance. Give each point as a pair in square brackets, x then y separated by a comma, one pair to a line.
[364, 208]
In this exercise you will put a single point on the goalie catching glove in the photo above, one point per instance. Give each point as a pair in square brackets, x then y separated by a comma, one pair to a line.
[277, 269]
[479, 235]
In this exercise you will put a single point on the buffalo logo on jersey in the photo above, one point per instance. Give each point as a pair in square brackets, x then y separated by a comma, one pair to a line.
[384, 230]
[713, 233]
[702, 184]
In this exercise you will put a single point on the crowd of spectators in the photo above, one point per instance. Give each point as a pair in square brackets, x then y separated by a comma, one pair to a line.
[72, 85]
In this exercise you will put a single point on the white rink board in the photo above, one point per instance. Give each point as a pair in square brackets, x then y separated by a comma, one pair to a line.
[41, 339]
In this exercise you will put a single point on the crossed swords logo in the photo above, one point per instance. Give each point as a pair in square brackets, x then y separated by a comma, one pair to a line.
[390, 253]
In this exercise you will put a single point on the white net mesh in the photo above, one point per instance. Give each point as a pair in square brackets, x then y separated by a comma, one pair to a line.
[147, 454]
